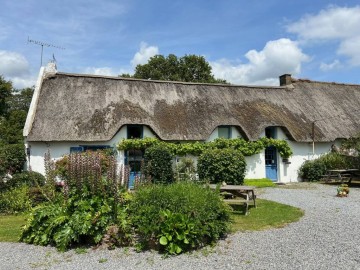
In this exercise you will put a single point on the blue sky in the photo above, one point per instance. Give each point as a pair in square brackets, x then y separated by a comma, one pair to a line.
[246, 42]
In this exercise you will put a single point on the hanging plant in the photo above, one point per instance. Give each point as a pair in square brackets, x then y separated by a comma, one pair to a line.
[247, 148]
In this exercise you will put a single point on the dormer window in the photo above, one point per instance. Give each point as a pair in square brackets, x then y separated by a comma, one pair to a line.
[135, 131]
[270, 132]
[224, 132]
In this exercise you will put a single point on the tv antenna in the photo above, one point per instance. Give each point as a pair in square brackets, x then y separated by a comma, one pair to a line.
[42, 44]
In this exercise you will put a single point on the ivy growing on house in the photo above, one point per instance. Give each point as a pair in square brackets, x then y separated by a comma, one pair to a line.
[247, 148]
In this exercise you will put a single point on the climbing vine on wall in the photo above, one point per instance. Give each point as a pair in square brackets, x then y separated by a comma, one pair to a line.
[247, 148]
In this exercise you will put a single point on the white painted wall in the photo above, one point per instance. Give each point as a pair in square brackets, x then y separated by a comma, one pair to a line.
[59, 149]
[255, 164]
[301, 152]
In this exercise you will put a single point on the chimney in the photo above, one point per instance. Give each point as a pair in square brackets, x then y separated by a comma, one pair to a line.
[51, 68]
[285, 79]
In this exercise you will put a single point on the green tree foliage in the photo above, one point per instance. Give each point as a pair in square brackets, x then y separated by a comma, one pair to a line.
[158, 164]
[14, 105]
[12, 158]
[11, 127]
[20, 99]
[222, 165]
[5, 92]
[188, 68]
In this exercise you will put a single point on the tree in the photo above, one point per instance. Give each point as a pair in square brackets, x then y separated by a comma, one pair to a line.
[14, 116]
[5, 92]
[20, 99]
[14, 105]
[188, 68]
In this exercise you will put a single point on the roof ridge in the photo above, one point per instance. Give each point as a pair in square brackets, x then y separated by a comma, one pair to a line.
[293, 80]
[173, 82]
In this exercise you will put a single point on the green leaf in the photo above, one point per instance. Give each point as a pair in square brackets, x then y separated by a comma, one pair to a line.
[178, 249]
[163, 240]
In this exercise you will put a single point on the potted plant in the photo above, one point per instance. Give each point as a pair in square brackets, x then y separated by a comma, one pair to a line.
[343, 190]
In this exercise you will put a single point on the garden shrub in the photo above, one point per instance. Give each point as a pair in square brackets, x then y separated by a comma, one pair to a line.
[21, 192]
[89, 205]
[222, 165]
[80, 220]
[31, 179]
[158, 164]
[12, 159]
[185, 169]
[15, 200]
[178, 217]
[62, 165]
[312, 170]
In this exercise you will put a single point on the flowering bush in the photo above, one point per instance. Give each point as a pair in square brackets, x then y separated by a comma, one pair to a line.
[343, 190]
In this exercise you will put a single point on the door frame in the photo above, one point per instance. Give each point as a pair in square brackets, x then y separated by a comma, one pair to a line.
[271, 166]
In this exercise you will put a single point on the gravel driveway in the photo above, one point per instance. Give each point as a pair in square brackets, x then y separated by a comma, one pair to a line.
[327, 237]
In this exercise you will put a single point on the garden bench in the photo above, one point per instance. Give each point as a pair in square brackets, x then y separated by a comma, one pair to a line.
[239, 201]
[236, 195]
[340, 175]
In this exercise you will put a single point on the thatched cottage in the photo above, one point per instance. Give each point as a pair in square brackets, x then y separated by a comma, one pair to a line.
[74, 112]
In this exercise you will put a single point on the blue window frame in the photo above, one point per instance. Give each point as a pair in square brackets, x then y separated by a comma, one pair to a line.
[83, 148]
[76, 149]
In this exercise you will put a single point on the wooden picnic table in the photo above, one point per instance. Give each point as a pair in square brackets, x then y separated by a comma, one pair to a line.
[240, 194]
[340, 175]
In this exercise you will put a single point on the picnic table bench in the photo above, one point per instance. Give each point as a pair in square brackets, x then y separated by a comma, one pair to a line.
[340, 175]
[237, 195]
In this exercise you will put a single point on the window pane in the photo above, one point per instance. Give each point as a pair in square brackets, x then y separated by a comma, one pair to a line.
[224, 132]
[134, 132]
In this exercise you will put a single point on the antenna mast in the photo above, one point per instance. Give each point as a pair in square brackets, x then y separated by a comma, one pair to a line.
[42, 44]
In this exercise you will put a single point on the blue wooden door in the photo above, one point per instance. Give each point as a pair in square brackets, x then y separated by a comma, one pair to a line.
[132, 178]
[271, 163]
[134, 158]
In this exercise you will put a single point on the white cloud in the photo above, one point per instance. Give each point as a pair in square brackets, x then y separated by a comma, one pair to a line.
[341, 24]
[350, 47]
[15, 67]
[326, 67]
[140, 57]
[107, 71]
[264, 67]
[145, 53]
[23, 82]
[13, 64]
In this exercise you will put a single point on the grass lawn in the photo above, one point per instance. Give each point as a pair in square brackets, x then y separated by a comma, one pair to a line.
[10, 227]
[268, 214]
[263, 182]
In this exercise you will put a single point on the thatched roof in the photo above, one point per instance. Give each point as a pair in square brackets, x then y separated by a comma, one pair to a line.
[74, 107]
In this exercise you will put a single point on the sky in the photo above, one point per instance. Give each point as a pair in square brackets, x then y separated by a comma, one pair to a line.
[245, 42]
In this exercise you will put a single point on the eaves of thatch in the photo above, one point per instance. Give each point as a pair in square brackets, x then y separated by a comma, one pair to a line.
[74, 107]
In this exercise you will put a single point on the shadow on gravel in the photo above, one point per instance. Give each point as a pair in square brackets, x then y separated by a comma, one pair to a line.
[354, 183]
[299, 185]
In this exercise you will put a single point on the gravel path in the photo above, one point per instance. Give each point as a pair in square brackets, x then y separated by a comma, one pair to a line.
[327, 237]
